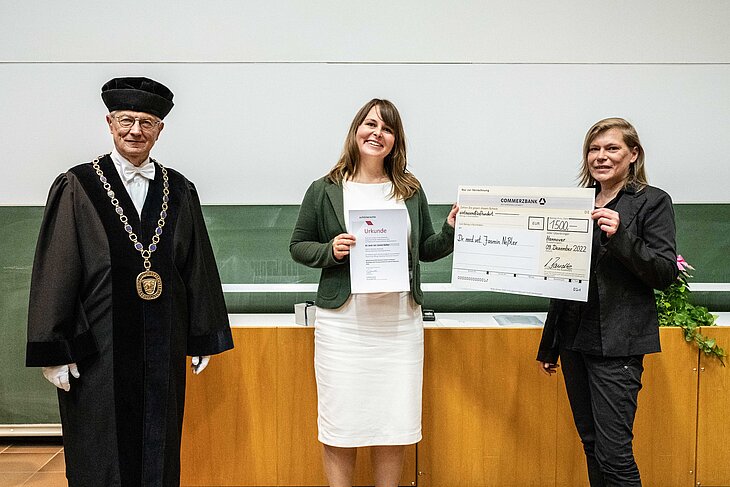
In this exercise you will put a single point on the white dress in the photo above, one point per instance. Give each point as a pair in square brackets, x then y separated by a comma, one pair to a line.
[368, 357]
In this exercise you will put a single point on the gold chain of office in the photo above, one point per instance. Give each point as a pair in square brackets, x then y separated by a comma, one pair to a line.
[148, 282]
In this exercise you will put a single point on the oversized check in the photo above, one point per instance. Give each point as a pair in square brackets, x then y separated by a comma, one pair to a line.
[533, 241]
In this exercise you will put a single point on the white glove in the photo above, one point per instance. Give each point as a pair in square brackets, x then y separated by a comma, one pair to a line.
[200, 363]
[58, 375]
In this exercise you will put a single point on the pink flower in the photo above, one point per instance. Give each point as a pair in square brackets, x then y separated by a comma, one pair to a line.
[683, 265]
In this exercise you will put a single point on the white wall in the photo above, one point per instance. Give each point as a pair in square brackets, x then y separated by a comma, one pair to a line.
[430, 31]
[496, 93]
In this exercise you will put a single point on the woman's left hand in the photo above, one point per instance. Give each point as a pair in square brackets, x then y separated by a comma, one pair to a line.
[451, 219]
[549, 368]
[608, 220]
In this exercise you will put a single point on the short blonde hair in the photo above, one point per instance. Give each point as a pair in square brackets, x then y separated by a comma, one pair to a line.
[637, 172]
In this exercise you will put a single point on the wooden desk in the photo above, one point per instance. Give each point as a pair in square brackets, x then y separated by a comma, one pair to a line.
[251, 417]
[490, 417]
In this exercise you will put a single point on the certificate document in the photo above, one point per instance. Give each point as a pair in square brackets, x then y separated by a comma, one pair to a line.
[379, 258]
[532, 241]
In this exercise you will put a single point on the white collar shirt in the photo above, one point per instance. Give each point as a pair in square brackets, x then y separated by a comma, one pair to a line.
[135, 182]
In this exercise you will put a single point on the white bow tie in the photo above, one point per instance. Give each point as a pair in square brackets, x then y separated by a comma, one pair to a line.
[147, 171]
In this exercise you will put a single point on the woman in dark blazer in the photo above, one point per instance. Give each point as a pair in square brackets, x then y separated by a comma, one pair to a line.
[602, 343]
[368, 346]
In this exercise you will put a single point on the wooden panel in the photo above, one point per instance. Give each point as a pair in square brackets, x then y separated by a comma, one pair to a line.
[713, 423]
[664, 430]
[490, 416]
[229, 433]
[666, 426]
[570, 466]
[489, 413]
[299, 452]
[255, 410]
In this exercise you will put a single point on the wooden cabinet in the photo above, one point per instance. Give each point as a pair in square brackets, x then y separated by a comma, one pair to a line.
[665, 425]
[713, 420]
[488, 412]
[251, 417]
[230, 427]
[300, 454]
[490, 417]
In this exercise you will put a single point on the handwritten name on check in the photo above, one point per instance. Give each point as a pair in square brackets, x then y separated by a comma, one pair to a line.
[531, 241]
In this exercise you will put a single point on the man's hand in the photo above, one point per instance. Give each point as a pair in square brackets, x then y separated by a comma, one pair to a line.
[58, 375]
[200, 363]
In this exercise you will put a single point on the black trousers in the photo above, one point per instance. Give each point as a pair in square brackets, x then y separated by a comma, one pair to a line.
[603, 392]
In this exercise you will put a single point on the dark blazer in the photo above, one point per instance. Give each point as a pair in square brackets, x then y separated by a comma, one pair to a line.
[322, 218]
[640, 257]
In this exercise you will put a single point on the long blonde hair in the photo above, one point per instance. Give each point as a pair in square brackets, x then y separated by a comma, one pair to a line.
[637, 173]
[405, 184]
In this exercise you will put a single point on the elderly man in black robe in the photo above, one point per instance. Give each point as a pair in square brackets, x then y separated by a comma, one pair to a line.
[124, 287]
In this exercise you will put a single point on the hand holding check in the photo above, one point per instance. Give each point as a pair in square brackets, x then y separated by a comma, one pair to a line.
[608, 220]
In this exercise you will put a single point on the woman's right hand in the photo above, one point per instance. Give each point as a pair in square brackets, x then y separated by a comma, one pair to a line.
[549, 368]
[341, 245]
[451, 219]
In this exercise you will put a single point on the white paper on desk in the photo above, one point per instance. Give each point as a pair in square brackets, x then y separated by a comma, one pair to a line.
[379, 258]
[532, 241]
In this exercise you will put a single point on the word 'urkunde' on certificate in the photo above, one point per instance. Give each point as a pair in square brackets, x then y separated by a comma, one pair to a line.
[532, 241]
[379, 258]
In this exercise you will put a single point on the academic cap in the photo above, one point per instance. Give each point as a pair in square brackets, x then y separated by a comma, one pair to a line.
[138, 95]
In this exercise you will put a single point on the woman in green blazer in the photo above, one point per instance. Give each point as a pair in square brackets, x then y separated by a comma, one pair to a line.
[368, 347]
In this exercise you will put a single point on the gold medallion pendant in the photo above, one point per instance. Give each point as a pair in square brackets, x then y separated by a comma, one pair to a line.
[149, 285]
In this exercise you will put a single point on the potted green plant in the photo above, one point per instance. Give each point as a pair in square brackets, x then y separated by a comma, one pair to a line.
[675, 309]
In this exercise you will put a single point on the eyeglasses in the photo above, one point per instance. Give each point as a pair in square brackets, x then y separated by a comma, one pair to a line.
[144, 123]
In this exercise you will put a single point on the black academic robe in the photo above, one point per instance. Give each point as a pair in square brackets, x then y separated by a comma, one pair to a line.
[122, 419]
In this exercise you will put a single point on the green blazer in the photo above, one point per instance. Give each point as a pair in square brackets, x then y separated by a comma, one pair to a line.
[322, 218]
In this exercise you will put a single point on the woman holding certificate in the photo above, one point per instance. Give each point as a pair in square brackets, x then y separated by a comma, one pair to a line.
[368, 346]
[602, 342]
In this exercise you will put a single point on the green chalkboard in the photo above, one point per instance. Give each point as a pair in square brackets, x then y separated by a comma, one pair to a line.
[251, 244]
[24, 394]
